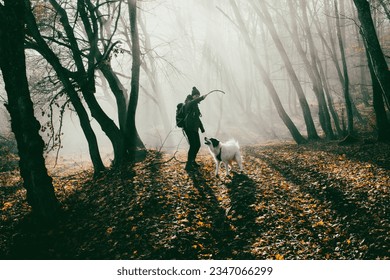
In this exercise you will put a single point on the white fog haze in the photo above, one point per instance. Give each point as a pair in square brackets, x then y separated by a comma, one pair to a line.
[187, 130]
[189, 43]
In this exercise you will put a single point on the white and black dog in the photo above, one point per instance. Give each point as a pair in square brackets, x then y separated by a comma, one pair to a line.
[224, 152]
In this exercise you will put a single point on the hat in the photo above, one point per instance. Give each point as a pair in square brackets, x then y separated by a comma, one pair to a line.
[195, 91]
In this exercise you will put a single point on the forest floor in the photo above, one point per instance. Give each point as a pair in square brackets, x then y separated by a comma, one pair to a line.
[313, 201]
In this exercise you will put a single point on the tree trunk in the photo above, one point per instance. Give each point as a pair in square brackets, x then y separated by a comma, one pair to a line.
[375, 52]
[118, 90]
[107, 125]
[333, 54]
[382, 121]
[86, 79]
[347, 98]
[267, 81]
[386, 7]
[363, 68]
[323, 112]
[311, 130]
[40, 190]
[103, 59]
[320, 84]
[133, 141]
[54, 61]
[329, 99]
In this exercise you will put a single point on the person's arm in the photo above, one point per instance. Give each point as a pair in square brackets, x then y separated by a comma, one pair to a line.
[195, 101]
[201, 126]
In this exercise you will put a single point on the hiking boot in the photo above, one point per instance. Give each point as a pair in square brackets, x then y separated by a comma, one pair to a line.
[191, 166]
[188, 166]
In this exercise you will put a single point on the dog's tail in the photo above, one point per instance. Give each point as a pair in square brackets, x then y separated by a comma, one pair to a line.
[233, 142]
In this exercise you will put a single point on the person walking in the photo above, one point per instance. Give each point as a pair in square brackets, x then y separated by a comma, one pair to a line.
[192, 124]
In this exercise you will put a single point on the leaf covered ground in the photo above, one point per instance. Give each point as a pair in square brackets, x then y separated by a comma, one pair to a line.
[313, 201]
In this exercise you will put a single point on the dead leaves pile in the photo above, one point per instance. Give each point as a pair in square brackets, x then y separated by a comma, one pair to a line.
[315, 201]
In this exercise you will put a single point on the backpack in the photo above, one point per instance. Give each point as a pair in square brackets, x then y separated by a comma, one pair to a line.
[180, 115]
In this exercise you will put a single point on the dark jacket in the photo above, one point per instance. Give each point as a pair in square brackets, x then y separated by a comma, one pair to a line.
[192, 113]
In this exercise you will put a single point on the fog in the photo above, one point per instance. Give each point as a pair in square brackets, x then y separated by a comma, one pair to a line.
[197, 43]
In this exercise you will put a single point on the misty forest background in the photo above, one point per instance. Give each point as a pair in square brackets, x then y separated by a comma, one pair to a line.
[91, 155]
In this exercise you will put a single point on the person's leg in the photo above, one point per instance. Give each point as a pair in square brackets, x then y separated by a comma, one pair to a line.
[191, 136]
[196, 144]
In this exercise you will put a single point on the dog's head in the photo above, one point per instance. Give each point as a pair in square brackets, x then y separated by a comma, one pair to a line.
[211, 142]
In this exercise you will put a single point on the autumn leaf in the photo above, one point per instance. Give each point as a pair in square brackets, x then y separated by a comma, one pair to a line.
[320, 223]
[6, 206]
[109, 230]
[279, 257]
[293, 200]
[200, 223]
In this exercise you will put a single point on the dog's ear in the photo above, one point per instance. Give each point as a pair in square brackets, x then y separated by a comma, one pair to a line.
[215, 142]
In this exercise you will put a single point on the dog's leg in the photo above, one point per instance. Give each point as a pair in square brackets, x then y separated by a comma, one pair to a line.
[239, 161]
[227, 167]
[217, 163]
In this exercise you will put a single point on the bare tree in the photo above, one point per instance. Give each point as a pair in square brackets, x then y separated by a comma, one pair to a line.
[90, 50]
[64, 76]
[386, 7]
[264, 14]
[318, 89]
[267, 81]
[40, 190]
[374, 49]
[382, 121]
[85, 75]
[321, 82]
[133, 141]
[347, 97]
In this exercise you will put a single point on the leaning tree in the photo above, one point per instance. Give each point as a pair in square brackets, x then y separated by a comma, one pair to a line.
[40, 190]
